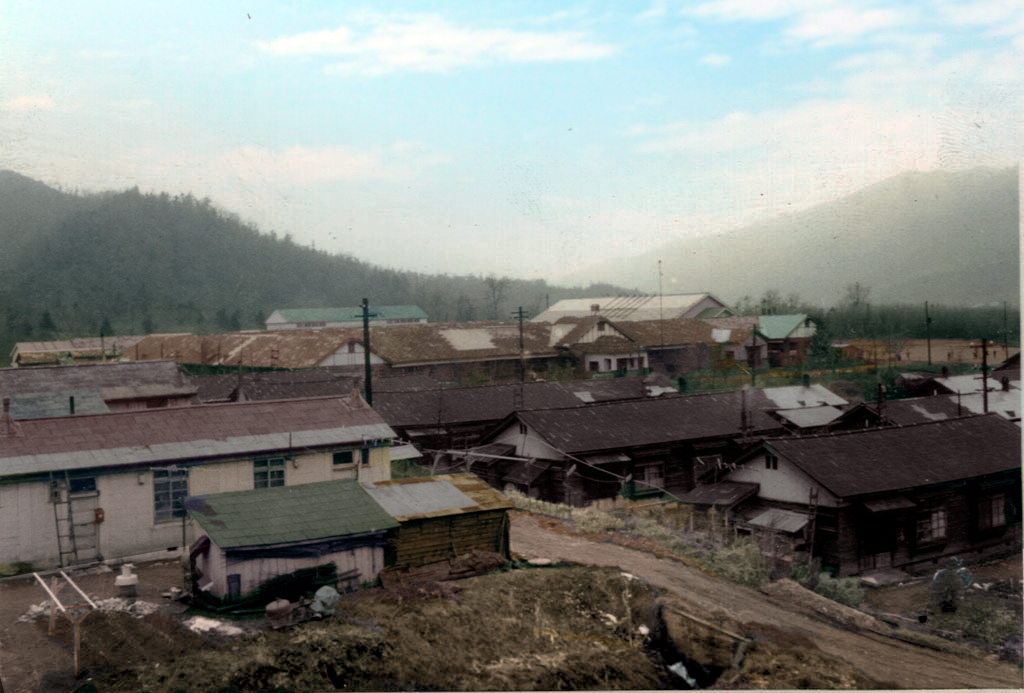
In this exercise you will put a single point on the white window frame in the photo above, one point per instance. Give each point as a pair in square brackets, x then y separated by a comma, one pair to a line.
[268, 472]
[172, 482]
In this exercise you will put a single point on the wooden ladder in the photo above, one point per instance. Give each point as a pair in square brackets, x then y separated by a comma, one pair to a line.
[60, 496]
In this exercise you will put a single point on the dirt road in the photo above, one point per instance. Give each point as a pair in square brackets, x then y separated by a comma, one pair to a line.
[884, 659]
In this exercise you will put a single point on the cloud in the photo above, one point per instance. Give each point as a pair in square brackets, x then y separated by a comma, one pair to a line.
[820, 23]
[715, 60]
[27, 103]
[430, 44]
[297, 166]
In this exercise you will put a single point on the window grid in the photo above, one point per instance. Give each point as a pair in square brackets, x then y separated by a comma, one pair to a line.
[932, 526]
[268, 473]
[170, 486]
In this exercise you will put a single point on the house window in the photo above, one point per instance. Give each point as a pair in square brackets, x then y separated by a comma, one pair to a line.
[234, 585]
[351, 347]
[601, 326]
[82, 485]
[170, 486]
[771, 461]
[653, 475]
[992, 512]
[607, 364]
[268, 473]
[594, 366]
[931, 526]
[344, 458]
[522, 429]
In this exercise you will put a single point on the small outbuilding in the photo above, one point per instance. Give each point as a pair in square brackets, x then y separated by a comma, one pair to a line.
[254, 536]
[442, 517]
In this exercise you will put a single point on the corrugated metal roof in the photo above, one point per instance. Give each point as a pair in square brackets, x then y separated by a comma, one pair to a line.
[652, 421]
[625, 307]
[724, 494]
[44, 405]
[289, 514]
[799, 397]
[781, 520]
[162, 436]
[900, 457]
[436, 496]
[318, 382]
[810, 416]
[119, 379]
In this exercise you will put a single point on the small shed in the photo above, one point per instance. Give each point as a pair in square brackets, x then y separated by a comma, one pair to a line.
[442, 517]
[254, 536]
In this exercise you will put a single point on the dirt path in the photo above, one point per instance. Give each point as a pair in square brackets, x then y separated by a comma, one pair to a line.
[883, 659]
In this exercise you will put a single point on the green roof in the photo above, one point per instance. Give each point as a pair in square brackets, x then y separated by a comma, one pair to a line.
[289, 514]
[350, 314]
[779, 326]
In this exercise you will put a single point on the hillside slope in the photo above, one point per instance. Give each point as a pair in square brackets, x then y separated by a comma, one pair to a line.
[947, 237]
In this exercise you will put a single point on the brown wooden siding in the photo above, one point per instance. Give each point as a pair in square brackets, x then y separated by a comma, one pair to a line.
[442, 538]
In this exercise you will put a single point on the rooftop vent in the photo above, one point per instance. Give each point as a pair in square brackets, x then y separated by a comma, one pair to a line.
[594, 307]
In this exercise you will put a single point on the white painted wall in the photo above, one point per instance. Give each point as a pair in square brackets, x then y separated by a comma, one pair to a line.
[786, 484]
[528, 444]
[28, 530]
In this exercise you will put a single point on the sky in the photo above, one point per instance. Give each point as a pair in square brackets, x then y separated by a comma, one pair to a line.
[521, 139]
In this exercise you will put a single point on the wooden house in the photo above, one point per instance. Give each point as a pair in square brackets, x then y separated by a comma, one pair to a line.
[76, 489]
[894, 497]
[250, 537]
[577, 455]
[442, 517]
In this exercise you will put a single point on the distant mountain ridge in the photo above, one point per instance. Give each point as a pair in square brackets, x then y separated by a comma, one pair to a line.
[947, 237]
[127, 263]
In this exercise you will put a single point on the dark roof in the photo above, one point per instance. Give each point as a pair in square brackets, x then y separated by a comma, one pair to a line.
[43, 405]
[404, 345]
[404, 383]
[902, 457]
[289, 514]
[655, 333]
[467, 404]
[613, 389]
[724, 494]
[653, 421]
[194, 433]
[116, 380]
[246, 387]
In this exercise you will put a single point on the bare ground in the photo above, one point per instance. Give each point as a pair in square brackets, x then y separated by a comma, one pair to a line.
[524, 630]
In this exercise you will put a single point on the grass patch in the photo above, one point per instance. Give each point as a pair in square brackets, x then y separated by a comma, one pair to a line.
[846, 591]
[980, 621]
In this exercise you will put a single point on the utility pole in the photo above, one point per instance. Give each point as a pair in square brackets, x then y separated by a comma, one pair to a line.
[522, 360]
[984, 375]
[367, 371]
[927, 332]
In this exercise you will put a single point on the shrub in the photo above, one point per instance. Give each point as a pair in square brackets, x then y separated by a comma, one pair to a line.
[593, 520]
[846, 591]
[741, 562]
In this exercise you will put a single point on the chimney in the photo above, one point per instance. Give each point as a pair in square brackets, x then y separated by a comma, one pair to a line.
[595, 308]
[71, 405]
[8, 427]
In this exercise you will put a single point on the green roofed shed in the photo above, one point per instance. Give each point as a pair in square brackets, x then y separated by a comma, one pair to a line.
[256, 536]
[288, 514]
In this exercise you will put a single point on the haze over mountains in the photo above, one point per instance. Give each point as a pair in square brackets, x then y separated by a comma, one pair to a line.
[944, 237]
[152, 262]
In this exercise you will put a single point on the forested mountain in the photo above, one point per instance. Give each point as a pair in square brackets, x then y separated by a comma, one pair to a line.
[949, 237]
[145, 262]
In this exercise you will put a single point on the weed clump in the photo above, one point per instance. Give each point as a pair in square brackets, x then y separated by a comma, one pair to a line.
[741, 562]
